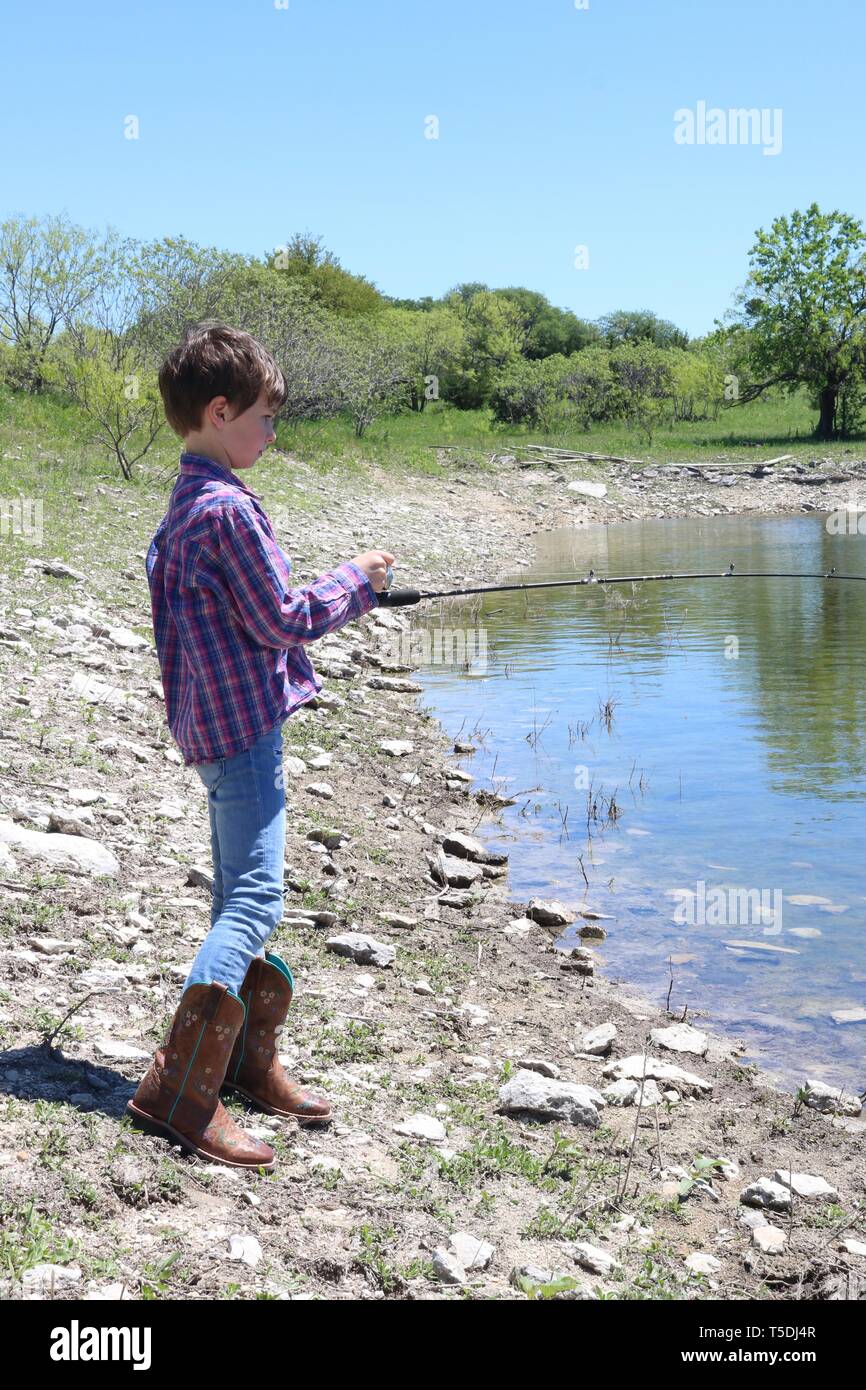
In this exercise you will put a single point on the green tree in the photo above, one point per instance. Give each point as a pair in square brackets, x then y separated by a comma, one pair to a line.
[102, 362]
[371, 372]
[640, 326]
[530, 392]
[543, 329]
[304, 258]
[49, 269]
[433, 343]
[804, 304]
[492, 341]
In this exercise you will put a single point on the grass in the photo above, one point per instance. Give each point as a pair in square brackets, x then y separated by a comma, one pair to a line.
[406, 442]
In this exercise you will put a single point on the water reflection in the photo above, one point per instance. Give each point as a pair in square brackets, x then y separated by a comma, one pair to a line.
[709, 732]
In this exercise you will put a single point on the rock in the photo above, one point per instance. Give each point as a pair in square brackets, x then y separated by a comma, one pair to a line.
[62, 823]
[456, 897]
[592, 1258]
[396, 747]
[323, 790]
[423, 987]
[805, 1185]
[471, 1252]
[599, 1040]
[769, 1239]
[538, 1064]
[752, 1219]
[832, 1100]
[116, 1051]
[96, 692]
[591, 931]
[456, 873]
[632, 1068]
[199, 877]
[324, 1163]
[397, 919]
[628, 1092]
[680, 1037]
[170, 810]
[393, 683]
[584, 488]
[331, 839]
[468, 847]
[125, 637]
[473, 1014]
[447, 1267]
[60, 851]
[58, 570]
[292, 766]
[700, 1263]
[320, 761]
[549, 913]
[420, 1126]
[854, 1247]
[856, 1015]
[365, 950]
[767, 1194]
[519, 928]
[245, 1248]
[41, 1280]
[51, 945]
[529, 1093]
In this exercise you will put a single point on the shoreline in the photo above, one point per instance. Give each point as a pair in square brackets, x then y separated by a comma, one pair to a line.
[469, 994]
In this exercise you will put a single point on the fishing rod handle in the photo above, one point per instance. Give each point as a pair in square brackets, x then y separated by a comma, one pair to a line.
[397, 598]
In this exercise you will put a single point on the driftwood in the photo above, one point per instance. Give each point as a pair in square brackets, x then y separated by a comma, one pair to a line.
[541, 453]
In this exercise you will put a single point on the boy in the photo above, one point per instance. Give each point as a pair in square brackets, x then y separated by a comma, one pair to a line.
[230, 635]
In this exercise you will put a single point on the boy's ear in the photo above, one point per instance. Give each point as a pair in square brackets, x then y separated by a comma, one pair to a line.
[218, 412]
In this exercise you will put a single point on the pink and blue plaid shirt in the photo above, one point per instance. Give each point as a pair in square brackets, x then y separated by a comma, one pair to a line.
[229, 628]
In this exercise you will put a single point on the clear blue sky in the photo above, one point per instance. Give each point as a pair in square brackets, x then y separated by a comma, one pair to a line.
[556, 129]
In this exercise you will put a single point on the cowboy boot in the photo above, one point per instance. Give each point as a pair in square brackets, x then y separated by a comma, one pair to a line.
[179, 1095]
[254, 1069]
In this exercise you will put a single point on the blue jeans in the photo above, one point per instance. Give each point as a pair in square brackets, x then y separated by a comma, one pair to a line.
[247, 807]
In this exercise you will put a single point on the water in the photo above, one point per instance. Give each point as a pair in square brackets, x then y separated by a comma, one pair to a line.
[733, 752]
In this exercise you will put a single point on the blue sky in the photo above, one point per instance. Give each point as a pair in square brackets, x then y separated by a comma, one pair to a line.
[556, 130]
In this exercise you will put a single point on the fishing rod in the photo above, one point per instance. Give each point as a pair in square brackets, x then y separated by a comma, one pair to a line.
[398, 598]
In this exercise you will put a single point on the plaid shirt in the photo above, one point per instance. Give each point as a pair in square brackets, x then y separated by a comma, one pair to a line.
[229, 629]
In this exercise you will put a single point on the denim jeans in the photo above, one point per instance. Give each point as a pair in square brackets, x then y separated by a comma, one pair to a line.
[247, 808]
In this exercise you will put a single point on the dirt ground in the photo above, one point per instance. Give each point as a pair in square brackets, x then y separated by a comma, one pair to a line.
[619, 1205]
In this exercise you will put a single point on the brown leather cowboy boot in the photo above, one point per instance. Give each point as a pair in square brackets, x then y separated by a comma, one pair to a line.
[254, 1068]
[179, 1095]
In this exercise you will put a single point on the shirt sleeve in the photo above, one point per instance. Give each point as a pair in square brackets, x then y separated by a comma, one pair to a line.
[256, 577]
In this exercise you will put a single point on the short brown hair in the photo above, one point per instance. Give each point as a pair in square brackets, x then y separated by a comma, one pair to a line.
[215, 360]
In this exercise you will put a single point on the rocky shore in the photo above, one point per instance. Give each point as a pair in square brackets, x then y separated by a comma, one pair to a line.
[493, 1138]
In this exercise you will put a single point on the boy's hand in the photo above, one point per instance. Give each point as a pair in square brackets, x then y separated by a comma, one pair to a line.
[375, 564]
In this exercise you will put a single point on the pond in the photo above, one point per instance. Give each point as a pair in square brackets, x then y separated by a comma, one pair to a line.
[687, 759]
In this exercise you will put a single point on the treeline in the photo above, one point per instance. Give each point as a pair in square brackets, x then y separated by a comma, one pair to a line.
[92, 315]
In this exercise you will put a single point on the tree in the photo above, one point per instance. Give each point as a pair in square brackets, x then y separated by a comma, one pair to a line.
[644, 374]
[590, 386]
[175, 284]
[305, 258]
[545, 330]
[49, 269]
[640, 326]
[433, 341]
[102, 363]
[492, 328]
[804, 304]
[529, 392]
[372, 377]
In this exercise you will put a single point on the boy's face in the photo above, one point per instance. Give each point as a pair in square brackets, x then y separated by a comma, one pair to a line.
[246, 436]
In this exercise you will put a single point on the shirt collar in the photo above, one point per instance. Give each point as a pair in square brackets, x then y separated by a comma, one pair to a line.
[209, 468]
